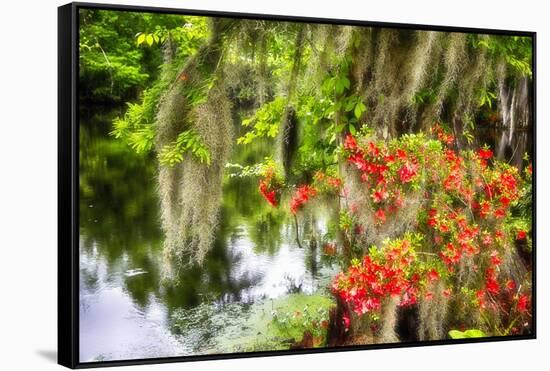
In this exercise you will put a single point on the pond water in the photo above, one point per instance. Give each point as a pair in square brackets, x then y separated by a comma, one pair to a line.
[126, 310]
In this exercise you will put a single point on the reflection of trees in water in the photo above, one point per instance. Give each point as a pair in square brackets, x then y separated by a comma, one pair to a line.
[117, 207]
[119, 219]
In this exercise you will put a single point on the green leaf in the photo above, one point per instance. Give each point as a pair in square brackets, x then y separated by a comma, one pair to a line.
[188, 140]
[141, 39]
[359, 109]
[350, 105]
[150, 40]
[339, 87]
[346, 82]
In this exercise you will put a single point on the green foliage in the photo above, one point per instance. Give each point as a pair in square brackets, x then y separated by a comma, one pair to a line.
[121, 51]
[148, 38]
[141, 140]
[265, 122]
[345, 221]
[325, 116]
[516, 50]
[188, 37]
[424, 96]
[187, 141]
[137, 126]
[486, 98]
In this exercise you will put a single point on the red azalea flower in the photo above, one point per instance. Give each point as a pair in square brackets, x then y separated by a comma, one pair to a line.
[402, 155]
[433, 275]
[500, 213]
[350, 144]
[492, 286]
[521, 235]
[407, 172]
[447, 292]
[510, 285]
[484, 209]
[380, 195]
[269, 196]
[505, 201]
[302, 194]
[523, 302]
[495, 259]
[485, 154]
[380, 216]
[390, 159]
[374, 151]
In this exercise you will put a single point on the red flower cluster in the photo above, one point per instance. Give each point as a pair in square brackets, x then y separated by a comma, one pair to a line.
[500, 188]
[407, 172]
[521, 235]
[269, 187]
[442, 135]
[365, 285]
[523, 303]
[300, 197]
[469, 202]
[385, 170]
[270, 196]
[491, 283]
[484, 155]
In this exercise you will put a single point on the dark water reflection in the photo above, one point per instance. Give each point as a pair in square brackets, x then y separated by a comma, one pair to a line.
[125, 307]
[508, 145]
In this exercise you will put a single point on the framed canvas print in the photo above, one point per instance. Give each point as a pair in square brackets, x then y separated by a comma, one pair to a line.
[236, 185]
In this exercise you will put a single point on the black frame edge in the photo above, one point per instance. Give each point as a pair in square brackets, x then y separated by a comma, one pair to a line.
[68, 177]
[534, 292]
[67, 254]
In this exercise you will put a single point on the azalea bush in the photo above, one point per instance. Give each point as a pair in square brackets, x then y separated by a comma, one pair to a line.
[459, 251]
[467, 231]
[389, 271]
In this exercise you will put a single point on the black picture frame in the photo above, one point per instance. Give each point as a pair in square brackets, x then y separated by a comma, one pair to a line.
[68, 178]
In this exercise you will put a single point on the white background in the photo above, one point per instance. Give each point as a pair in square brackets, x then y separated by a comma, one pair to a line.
[28, 152]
